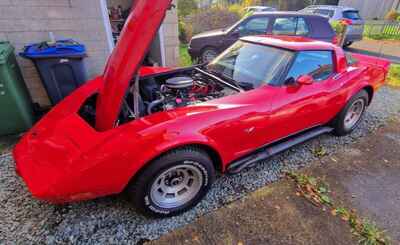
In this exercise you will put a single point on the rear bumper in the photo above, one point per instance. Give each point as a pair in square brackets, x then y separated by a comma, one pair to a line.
[353, 37]
[51, 158]
[52, 182]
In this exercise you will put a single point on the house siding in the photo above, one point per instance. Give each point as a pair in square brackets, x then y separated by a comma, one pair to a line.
[27, 21]
[370, 9]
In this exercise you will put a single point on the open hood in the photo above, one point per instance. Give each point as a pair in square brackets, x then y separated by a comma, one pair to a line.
[136, 37]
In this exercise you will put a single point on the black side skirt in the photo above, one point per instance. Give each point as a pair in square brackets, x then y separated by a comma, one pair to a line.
[275, 148]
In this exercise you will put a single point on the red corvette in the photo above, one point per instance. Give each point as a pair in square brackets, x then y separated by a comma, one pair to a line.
[161, 134]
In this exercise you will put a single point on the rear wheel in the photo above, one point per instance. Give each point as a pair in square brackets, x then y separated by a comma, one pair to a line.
[173, 183]
[347, 44]
[349, 118]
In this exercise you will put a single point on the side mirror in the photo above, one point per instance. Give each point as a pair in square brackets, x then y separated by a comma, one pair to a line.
[305, 80]
[235, 32]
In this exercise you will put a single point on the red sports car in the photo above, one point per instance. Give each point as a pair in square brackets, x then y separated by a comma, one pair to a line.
[161, 134]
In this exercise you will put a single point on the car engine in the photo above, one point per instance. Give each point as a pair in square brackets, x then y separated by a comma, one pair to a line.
[179, 91]
[162, 93]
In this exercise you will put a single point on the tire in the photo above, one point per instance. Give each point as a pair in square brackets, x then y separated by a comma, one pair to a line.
[350, 116]
[347, 44]
[208, 54]
[173, 183]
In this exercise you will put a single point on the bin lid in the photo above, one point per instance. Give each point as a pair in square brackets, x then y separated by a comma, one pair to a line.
[5, 50]
[62, 48]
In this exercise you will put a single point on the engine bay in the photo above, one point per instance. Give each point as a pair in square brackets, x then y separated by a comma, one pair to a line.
[168, 91]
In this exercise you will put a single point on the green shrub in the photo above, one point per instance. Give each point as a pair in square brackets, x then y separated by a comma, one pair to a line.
[182, 32]
[237, 9]
[398, 18]
[338, 27]
[186, 7]
[208, 19]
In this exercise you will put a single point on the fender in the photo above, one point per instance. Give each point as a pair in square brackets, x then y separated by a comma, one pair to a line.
[179, 141]
[360, 86]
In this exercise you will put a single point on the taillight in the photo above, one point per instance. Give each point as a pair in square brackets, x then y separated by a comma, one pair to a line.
[335, 40]
[346, 21]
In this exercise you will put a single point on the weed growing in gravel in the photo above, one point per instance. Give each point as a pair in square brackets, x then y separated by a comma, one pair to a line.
[317, 192]
[394, 75]
[319, 151]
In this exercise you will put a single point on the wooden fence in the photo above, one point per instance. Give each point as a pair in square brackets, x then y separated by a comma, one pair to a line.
[383, 29]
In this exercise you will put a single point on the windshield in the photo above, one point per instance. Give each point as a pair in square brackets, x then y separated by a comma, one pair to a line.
[324, 12]
[251, 65]
[229, 29]
[351, 14]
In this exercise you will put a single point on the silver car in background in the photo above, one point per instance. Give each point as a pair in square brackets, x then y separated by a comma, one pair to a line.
[334, 13]
[260, 9]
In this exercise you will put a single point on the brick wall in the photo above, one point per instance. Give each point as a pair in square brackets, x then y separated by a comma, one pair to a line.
[26, 21]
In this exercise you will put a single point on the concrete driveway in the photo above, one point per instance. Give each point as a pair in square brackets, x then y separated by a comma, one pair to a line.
[389, 49]
[364, 177]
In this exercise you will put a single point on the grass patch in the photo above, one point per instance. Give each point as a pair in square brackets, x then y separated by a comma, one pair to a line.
[316, 191]
[394, 75]
[184, 57]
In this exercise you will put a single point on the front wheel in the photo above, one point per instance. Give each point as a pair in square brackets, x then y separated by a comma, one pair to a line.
[349, 118]
[173, 183]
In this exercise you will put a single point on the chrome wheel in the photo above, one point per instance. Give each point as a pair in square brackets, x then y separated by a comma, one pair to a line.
[176, 186]
[208, 55]
[354, 114]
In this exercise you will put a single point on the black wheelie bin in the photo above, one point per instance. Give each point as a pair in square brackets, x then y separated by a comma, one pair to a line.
[60, 65]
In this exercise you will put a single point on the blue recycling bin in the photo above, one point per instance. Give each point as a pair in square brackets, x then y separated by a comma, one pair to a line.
[61, 66]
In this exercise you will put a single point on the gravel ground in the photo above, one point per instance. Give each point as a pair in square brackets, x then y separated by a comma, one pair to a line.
[112, 220]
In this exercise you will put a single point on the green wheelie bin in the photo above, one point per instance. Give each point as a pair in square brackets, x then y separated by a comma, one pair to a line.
[16, 108]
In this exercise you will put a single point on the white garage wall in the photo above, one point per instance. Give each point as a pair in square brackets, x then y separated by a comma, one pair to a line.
[24, 22]
[370, 9]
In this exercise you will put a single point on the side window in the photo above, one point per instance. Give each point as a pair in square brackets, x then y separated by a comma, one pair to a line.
[318, 64]
[254, 26]
[284, 26]
[302, 27]
[290, 26]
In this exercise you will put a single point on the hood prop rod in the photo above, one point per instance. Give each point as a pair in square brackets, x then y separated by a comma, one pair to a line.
[136, 97]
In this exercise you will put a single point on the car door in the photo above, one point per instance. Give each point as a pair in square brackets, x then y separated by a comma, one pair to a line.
[256, 25]
[290, 26]
[298, 107]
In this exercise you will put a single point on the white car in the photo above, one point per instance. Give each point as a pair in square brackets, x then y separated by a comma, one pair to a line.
[334, 13]
[260, 9]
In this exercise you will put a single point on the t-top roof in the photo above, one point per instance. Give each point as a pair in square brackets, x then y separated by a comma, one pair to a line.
[295, 43]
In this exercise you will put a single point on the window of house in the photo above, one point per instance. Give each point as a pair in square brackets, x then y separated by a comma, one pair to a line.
[290, 26]
[318, 64]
